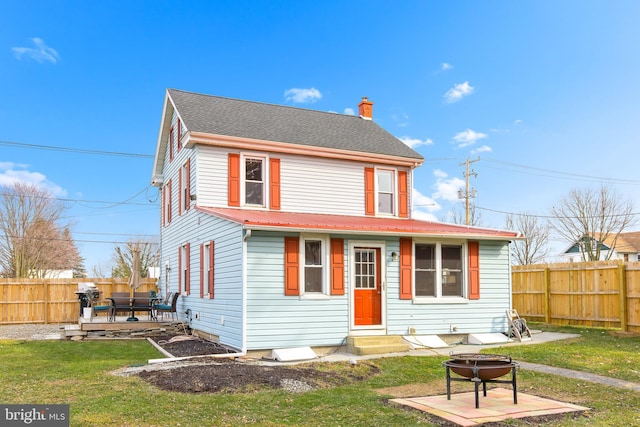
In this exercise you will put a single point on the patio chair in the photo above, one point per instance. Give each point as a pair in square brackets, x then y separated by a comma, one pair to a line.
[95, 309]
[169, 308]
[120, 302]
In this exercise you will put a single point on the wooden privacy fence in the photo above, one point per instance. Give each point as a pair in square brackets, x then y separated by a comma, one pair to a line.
[602, 293]
[53, 300]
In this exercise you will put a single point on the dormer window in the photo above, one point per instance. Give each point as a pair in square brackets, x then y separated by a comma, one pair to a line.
[254, 182]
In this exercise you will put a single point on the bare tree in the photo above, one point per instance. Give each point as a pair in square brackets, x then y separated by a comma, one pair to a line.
[456, 217]
[34, 241]
[123, 257]
[533, 248]
[589, 217]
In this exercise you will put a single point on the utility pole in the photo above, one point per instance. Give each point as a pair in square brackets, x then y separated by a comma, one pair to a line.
[468, 193]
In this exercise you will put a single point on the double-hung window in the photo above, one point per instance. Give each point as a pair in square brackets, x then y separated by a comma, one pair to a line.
[185, 186]
[439, 270]
[315, 269]
[385, 193]
[254, 181]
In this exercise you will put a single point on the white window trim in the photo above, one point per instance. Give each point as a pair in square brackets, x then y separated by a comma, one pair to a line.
[265, 180]
[326, 286]
[185, 198]
[439, 299]
[394, 191]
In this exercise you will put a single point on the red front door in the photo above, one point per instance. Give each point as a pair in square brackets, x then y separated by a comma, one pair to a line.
[368, 287]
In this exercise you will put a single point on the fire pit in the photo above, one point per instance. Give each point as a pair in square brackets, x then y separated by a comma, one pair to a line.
[481, 368]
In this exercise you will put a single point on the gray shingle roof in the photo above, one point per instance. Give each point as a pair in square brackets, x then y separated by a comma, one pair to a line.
[248, 119]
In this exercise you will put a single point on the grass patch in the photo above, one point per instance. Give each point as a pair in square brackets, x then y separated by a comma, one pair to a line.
[78, 373]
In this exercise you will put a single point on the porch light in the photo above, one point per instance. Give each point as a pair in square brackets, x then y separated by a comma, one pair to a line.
[394, 256]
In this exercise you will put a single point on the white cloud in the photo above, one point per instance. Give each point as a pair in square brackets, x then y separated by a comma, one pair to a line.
[349, 111]
[302, 96]
[445, 66]
[468, 137]
[10, 174]
[423, 206]
[447, 188]
[517, 122]
[439, 173]
[414, 142]
[483, 149]
[41, 52]
[458, 91]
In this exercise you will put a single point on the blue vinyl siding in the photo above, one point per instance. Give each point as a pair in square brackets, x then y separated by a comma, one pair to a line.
[276, 321]
[480, 316]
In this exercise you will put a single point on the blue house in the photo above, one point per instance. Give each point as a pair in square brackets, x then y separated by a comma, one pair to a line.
[287, 227]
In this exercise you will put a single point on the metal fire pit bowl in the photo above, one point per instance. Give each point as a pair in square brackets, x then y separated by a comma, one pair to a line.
[481, 368]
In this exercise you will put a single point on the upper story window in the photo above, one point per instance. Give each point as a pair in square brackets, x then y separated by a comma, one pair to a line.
[385, 193]
[166, 203]
[171, 143]
[439, 270]
[254, 181]
[185, 187]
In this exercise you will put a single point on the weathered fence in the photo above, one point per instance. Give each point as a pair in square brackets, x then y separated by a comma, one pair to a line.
[53, 300]
[604, 293]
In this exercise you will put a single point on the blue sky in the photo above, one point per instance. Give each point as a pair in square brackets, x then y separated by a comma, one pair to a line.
[545, 93]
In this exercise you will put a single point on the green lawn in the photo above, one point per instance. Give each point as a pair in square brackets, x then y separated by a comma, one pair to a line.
[49, 372]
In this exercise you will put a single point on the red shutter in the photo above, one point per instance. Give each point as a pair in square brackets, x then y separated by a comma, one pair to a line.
[369, 192]
[187, 263]
[180, 184]
[163, 201]
[180, 269]
[234, 180]
[403, 195]
[406, 267]
[291, 266]
[188, 185]
[337, 266]
[202, 272]
[474, 269]
[274, 183]
[171, 145]
[211, 268]
[170, 207]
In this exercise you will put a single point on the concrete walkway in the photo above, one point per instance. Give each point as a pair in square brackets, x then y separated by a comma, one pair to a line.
[536, 338]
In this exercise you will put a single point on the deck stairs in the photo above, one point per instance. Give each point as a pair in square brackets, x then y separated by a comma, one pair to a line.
[362, 346]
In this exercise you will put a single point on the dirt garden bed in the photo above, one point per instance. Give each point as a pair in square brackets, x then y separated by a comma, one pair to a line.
[228, 375]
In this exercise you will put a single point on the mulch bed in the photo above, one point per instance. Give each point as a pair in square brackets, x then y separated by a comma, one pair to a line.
[227, 375]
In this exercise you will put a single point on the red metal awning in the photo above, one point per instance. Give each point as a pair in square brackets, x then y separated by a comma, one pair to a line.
[254, 219]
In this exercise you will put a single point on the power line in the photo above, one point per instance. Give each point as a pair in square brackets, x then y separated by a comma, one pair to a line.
[75, 150]
[546, 216]
[552, 173]
[80, 201]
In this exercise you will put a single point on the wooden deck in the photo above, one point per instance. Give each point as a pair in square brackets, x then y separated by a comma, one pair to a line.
[100, 323]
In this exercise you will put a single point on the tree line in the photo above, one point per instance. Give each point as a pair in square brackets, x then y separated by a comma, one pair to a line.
[36, 241]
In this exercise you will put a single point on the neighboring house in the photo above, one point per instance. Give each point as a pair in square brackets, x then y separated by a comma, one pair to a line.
[285, 227]
[625, 247]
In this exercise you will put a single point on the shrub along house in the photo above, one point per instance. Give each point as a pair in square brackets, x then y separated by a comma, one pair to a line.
[286, 227]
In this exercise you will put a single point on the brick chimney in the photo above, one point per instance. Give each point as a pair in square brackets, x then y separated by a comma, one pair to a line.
[365, 108]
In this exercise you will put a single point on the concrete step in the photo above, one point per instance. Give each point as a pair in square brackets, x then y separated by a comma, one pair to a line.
[362, 346]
